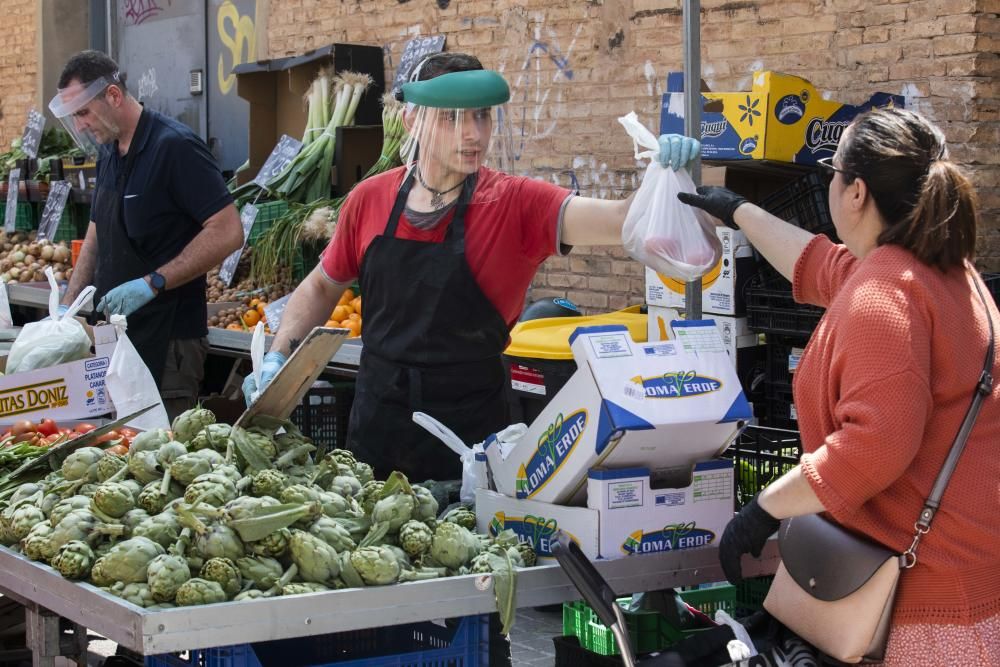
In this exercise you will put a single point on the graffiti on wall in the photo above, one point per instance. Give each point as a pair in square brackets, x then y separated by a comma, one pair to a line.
[238, 36]
[147, 84]
[137, 12]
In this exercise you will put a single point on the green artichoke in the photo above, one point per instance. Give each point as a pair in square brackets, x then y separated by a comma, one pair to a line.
[37, 544]
[79, 525]
[264, 572]
[138, 594]
[303, 587]
[219, 541]
[166, 574]
[252, 594]
[49, 502]
[187, 424]
[300, 493]
[274, 545]
[214, 437]
[64, 507]
[23, 519]
[108, 466]
[427, 504]
[144, 466]
[463, 516]
[186, 468]
[163, 528]
[244, 507]
[128, 561]
[364, 472]
[269, 482]
[369, 495]
[199, 591]
[149, 441]
[332, 533]
[342, 456]
[224, 572]
[415, 538]
[337, 506]
[82, 464]
[394, 510]
[316, 560]
[74, 560]
[113, 499]
[453, 546]
[344, 485]
[211, 488]
[132, 519]
[154, 500]
[230, 472]
[377, 566]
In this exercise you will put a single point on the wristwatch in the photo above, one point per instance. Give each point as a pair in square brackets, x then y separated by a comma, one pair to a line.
[157, 282]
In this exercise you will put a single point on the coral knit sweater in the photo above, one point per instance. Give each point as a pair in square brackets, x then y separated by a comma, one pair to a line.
[880, 393]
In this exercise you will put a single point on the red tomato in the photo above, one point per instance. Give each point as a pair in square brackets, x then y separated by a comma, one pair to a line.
[129, 433]
[23, 426]
[52, 439]
[84, 428]
[108, 437]
[119, 450]
[47, 427]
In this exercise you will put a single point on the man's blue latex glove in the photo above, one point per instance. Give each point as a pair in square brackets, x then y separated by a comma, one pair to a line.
[127, 298]
[61, 311]
[677, 151]
[269, 367]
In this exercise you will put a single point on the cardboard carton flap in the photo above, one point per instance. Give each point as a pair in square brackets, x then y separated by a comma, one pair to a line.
[295, 378]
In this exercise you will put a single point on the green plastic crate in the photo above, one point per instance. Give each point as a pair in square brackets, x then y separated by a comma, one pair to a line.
[649, 631]
[751, 592]
[267, 213]
[69, 227]
[24, 220]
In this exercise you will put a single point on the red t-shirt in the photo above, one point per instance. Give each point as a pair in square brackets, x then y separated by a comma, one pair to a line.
[511, 227]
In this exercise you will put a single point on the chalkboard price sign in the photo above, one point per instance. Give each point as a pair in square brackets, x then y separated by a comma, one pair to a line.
[10, 213]
[54, 206]
[33, 133]
[416, 50]
[247, 217]
[273, 312]
[279, 159]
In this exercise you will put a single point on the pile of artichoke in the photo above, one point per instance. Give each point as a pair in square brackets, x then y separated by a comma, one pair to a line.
[209, 513]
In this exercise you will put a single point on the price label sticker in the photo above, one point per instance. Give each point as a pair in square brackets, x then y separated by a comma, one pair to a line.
[32, 137]
[274, 310]
[228, 269]
[10, 213]
[54, 207]
[281, 156]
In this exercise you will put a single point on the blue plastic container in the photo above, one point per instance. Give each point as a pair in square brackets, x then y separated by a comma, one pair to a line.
[463, 643]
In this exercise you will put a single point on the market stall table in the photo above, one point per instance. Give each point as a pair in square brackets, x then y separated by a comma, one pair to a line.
[155, 632]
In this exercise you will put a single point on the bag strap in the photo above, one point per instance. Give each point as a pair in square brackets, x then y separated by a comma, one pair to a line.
[983, 389]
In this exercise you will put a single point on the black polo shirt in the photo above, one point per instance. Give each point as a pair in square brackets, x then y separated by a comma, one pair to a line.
[174, 185]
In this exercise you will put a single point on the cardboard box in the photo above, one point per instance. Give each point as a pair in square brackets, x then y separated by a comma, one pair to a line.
[721, 288]
[660, 405]
[734, 331]
[275, 90]
[626, 513]
[639, 516]
[782, 118]
[74, 390]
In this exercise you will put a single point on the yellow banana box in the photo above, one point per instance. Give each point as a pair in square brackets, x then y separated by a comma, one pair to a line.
[782, 118]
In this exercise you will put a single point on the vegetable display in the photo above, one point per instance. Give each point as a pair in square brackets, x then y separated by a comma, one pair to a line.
[23, 260]
[207, 513]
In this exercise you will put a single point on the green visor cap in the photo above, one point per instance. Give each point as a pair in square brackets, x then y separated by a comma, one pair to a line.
[471, 89]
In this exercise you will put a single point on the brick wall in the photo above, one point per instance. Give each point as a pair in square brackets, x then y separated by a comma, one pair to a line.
[18, 66]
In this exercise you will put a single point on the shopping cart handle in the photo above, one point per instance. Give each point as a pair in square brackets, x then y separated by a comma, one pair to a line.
[585, 577]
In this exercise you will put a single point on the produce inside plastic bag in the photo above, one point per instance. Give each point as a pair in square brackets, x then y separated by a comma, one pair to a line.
[58, 339]
[669, 237]
[130, 384]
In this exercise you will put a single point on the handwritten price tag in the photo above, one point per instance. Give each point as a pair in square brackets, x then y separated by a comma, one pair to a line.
[10, 213]
[54, 207]
[279, 159]
[33, 133]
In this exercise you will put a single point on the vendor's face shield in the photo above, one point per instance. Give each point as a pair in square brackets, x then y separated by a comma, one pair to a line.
[85, 113]
[456, 123]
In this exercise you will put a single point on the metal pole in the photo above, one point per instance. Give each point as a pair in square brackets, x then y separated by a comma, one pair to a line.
[692, 122]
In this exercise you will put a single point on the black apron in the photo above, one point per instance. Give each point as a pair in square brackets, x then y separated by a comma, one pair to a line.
[120, 260]
[432, 343]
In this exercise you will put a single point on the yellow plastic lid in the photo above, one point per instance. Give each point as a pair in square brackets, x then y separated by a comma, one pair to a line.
[548, 338]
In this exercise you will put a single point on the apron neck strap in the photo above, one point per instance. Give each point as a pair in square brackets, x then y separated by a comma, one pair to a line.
[455, 235]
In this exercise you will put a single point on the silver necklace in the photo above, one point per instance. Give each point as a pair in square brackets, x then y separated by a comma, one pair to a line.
[437, 196]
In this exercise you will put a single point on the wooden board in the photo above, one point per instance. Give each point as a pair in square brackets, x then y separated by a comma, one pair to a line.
[298, 374]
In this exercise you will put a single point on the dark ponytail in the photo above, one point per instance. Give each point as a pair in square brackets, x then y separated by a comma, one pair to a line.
[928, 203]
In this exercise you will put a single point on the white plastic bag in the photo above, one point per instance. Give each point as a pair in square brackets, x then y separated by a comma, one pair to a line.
[57, 339]
[670, 237]
[130, 384]
[6, 321]
[473, 458]
[257, 357]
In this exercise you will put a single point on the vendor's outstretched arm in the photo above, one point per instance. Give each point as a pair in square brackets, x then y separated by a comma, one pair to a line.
[309, 307]
[588, 221]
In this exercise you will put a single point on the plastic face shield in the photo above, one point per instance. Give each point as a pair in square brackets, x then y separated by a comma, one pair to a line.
[67, 105]
[457, 122]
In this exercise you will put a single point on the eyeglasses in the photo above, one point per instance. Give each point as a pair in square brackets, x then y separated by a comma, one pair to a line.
[826, 163]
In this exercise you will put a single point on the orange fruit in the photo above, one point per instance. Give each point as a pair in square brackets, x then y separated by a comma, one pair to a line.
[356, 304]
[354, 317]
[234, 327]
[346, 297]
[354, 326]
[251, 318]
[332, 324]
[340, 313]
[254, 303]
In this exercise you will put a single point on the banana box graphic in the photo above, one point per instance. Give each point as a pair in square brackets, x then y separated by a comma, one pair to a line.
[73, 390]
[782, 118]
[660, 405]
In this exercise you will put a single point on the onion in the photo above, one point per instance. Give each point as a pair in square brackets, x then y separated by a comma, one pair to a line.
[18, 256]
[15, 273]
[30, 257]
[33, 249]
[5, 277]
[40, 276]
[48, 252]
[59, 276]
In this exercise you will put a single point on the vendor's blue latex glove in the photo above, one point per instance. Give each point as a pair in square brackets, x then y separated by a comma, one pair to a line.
[127, 298]
[271, 364]
[677, 151]
[61, 311]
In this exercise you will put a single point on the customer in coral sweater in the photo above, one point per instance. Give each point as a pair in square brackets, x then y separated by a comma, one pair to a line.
[886, 379]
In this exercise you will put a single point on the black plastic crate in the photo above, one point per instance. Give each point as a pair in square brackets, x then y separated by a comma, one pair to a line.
[782, 359]
[779, 409]
[569, 653]
[323, 415]
[804, 203]
[760, 455]
[771, 309]
[992, 281]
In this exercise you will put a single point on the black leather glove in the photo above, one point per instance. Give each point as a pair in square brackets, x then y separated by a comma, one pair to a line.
[716, 201]
[746, 533]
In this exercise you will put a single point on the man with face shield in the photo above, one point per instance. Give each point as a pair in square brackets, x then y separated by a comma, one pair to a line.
[161, 217]
[445, 249]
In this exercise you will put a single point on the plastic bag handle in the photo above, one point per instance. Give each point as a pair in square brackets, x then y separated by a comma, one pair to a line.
[442, 433]
[85, 294]
[640, 137]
